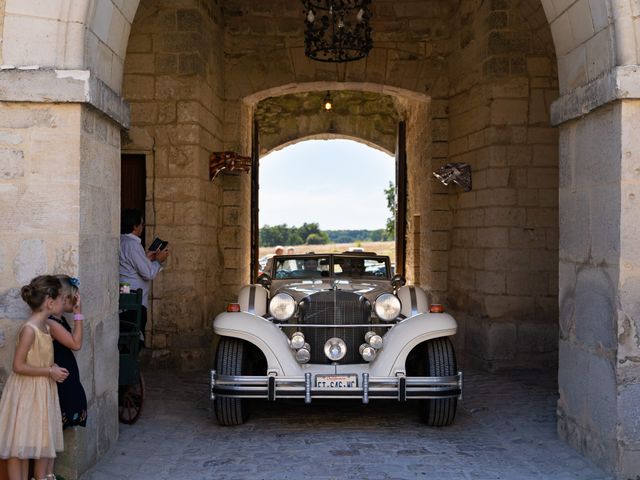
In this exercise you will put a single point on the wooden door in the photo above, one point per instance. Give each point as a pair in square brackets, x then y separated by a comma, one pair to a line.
[255, 210]
[133, 183]
[401, 192]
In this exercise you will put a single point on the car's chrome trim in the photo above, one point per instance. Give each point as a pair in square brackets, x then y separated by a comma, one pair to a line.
[252, 299]
[414, 300]
[402, 388]
[365, 388]
[313, 325]
[307, 387]
[392, 388]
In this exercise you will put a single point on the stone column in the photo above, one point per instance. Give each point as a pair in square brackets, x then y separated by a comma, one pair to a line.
[59, 211]
[599, 364]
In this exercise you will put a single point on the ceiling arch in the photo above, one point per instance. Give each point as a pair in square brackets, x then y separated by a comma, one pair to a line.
[367, 116]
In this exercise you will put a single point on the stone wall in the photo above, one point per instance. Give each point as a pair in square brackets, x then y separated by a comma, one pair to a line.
[504, 248]
[265, 53]
[173, 81]
[599, 287]
[3, 4]
[584, 35]
[428, 212]
[59, 169]
[99, 226]
[71, 35]
[365, 116]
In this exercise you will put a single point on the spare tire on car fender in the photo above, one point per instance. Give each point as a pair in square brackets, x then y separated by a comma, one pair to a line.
[230, 360]
[441, 361]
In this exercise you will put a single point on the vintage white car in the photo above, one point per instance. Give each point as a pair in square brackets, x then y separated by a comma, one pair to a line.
[334, 326]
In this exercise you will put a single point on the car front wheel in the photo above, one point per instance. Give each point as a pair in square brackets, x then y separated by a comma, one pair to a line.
[440, 361]
[231, 360]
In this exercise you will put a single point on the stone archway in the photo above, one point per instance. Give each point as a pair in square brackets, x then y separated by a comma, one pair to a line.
[73, 100]
[370, 113]
[370, 117]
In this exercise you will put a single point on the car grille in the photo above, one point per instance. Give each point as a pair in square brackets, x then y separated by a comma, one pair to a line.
[335, 307]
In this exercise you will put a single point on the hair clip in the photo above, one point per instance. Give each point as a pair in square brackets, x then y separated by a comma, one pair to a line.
[74, 282]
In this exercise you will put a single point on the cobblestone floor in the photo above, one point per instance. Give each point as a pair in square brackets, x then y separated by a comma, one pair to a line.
[505, 429]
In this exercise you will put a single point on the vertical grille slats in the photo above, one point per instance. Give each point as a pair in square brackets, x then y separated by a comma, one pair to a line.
[334, 307]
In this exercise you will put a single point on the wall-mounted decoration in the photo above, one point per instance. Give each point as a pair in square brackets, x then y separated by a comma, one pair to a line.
[458, 173]
[229, 162]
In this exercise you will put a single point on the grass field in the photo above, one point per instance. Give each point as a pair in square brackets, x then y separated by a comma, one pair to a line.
[381, 248]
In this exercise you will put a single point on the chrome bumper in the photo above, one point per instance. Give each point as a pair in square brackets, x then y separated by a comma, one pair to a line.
[272, 387]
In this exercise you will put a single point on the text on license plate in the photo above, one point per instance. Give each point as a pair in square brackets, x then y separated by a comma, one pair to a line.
[336, 381]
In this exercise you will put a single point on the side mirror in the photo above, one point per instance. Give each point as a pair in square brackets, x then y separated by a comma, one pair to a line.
[397, 281]
[264, 279]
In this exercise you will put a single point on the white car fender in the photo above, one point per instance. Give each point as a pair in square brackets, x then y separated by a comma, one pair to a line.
[413, 299]
[403, 337]
[253, 299]
[263, 334]
[274, 344]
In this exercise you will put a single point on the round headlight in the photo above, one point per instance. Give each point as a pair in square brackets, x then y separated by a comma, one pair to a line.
[368, 352]
[282, 307]
[387, 307]
[303, 355]
[297, 340]
[335, 349]
[373, 339]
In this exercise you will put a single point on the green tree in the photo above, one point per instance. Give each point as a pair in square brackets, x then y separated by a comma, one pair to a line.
[307, 229]
[317, 239]
[294, 238]
[274, 235]
[378, 235]
[392, 205]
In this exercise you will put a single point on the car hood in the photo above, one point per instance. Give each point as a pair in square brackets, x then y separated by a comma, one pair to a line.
[368, 289]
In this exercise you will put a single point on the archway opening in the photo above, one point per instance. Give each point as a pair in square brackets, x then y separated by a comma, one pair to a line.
[328, 196]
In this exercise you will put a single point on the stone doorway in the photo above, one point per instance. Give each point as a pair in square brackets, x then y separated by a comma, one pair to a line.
[366, 117]
[488, 70]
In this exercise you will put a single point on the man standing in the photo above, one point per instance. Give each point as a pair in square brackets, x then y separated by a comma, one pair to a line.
[138, 268]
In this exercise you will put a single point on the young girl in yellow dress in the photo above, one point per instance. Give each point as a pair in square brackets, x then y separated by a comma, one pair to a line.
[30, 421]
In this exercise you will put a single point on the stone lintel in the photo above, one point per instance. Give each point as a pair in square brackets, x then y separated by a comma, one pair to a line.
[619, 83]
[48, 85]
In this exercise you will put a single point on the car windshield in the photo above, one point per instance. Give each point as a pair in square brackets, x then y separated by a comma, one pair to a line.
[302, 267]
[360, 267]
[312, 267]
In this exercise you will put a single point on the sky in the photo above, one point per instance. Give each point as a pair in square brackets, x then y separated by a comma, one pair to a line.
[338, 184]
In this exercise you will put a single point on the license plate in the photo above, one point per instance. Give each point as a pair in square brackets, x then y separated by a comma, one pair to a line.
[336, 381]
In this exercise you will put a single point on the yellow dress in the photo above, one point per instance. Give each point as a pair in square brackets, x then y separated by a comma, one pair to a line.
[30, 420]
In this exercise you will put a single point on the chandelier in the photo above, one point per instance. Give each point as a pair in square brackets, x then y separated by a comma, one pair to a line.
[337, 30]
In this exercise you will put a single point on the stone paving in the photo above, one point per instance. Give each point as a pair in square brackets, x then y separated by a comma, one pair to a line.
[505, 429]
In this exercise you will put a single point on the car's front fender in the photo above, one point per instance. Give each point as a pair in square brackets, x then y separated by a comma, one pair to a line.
[273, 343]
[407, 334]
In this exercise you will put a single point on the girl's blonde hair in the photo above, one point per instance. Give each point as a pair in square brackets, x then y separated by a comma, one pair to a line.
[69, 289]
